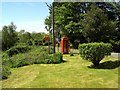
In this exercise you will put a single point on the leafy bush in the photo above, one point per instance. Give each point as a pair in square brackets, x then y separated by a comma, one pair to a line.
[95, 52]
[5, 71]
[23, 62]
[57, 58]
[116, 45]
[51, 50]
[71, 54]
[45, 43]
[17, 49]
[35, 42]
[29, 42]
[40, 42]
[5, 66]
[49, 59]
[37, 55]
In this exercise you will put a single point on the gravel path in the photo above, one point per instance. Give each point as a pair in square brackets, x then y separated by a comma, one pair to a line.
[77, 52]
[115, 55]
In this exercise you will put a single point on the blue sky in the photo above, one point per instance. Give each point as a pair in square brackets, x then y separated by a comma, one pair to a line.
[25, 15]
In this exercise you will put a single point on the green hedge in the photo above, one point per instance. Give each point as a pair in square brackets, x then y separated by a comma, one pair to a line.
[17, 49]
[5, 71]
[57, 58]
[5, 66]
[95, 52]
[37, 55]
[41, 58]
[50, 59]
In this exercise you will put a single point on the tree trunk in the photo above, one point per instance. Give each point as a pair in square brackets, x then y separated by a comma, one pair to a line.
[96, 63]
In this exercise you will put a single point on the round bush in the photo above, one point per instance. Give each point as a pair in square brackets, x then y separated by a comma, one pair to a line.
[95, 52]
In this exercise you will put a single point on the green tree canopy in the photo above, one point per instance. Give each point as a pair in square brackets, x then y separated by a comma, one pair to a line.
[9, 36]
[72, 17]
[96, 25]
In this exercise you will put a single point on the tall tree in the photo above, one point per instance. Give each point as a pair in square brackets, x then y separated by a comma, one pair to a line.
[96, 25]
[117, 12]
[9, 36]
[68, 17]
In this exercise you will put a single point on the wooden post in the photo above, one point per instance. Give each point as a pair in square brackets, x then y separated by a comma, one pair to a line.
[53, 27]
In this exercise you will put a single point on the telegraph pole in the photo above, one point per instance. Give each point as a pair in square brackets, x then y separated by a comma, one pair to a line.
[53, 27]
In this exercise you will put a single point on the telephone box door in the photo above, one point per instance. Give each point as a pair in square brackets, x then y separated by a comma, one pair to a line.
[64, 45]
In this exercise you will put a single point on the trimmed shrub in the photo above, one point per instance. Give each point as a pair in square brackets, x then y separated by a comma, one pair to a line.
[57, 58]
[116, 46]
[17, 49]
[49, 59]
[95, 52]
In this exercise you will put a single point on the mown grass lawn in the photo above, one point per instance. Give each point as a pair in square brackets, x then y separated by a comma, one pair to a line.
[73, 73]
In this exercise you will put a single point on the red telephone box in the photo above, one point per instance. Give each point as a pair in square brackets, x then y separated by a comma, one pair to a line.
[65, 45]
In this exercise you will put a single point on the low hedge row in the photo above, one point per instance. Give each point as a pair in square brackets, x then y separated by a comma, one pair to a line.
[94, 52]
[34, 56]
[41, 58]
[5, 66]
[5, 72]
[17, 49]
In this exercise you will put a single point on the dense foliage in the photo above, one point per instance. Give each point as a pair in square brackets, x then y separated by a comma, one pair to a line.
[9, 37]
[5, 72]
[86, 21]
[21, 48]
[31, 38]
[81, 22]
[37, 55]
[5, 66]
[116, 45]
[96, 26]
[95, 52]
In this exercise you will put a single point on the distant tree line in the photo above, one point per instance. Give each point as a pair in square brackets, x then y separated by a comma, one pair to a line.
[10, 37]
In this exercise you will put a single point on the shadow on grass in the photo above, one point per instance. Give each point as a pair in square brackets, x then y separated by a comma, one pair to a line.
[107, 65]
[63, 61]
